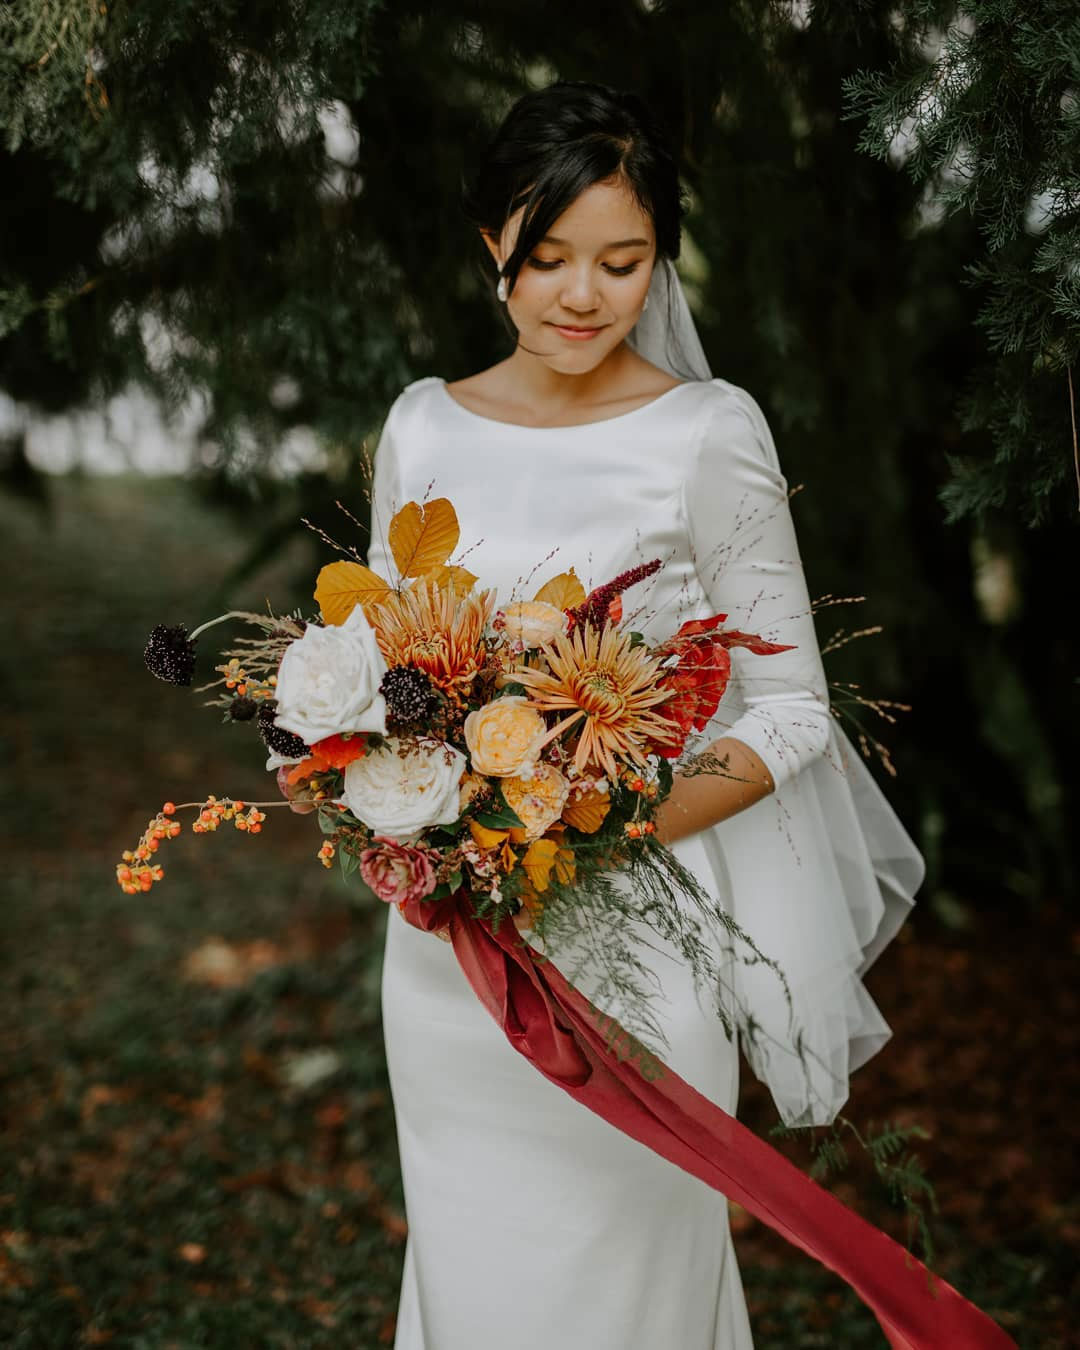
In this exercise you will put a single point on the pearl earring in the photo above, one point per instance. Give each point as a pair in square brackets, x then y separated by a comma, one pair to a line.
[500, 290]
[645, 306]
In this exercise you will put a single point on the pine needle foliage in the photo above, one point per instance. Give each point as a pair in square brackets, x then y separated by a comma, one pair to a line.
[981, 107]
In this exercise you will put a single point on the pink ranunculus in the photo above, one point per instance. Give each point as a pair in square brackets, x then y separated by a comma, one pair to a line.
[396, 872]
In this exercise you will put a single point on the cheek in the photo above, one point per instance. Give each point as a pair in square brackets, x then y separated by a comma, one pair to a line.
[535, 292]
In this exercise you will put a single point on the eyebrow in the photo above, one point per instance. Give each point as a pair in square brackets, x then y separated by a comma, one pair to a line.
[619, 243]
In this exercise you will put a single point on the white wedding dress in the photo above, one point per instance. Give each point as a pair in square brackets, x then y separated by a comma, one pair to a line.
[533, 1222]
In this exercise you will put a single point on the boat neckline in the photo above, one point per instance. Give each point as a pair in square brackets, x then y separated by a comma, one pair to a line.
[566, 426]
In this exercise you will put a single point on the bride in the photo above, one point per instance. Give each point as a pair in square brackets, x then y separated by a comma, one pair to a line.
[534, 1222]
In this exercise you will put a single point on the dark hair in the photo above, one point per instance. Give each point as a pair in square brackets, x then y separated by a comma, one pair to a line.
[556, 142]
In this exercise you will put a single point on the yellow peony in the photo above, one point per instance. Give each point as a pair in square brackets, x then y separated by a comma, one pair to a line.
[538, 800]
[534, 622]
[504, 735]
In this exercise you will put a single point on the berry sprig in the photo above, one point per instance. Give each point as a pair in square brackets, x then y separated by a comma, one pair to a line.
[243, 685]
[636, 828]
[137, 872]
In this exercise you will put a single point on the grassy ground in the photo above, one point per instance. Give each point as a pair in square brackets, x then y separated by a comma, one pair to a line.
[197, 1146]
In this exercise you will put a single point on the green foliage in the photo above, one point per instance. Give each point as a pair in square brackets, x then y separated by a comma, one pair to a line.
[901, 1173]
[987, 94]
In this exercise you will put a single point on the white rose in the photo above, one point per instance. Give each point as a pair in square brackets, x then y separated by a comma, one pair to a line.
[328, 681]
[404, 786]
[275, 761]
[533, 622]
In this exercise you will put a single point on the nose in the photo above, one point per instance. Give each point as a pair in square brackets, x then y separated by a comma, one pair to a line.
[579, 293]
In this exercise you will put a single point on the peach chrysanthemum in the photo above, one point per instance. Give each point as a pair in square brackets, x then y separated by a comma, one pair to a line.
[436, 630]
[611, 687]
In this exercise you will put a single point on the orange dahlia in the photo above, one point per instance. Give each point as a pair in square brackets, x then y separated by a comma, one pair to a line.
[437, 631]
[611, 686]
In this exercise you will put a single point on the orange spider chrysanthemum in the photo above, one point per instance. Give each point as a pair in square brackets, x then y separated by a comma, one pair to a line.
[438, 631]
[611, 686]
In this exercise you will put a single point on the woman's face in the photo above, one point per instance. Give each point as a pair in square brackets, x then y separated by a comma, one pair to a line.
[582, 289]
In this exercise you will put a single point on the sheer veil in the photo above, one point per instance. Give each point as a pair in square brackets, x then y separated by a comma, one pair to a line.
[822, 872]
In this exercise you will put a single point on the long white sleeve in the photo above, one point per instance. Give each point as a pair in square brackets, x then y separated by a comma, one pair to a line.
[745, 552]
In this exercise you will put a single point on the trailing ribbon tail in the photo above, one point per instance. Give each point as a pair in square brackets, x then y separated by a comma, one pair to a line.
[599, 1063]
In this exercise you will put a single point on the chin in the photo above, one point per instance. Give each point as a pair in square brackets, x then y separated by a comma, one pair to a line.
[576, 360]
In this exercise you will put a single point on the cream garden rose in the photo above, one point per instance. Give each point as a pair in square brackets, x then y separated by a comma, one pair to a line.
[405, 786]
[534, 622]
[538, 801]
[328, 681]
[504, 736]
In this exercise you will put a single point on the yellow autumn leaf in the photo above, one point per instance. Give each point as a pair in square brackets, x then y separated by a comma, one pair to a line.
[517, 834]
[538, 861]
[341, 586]
[484, 837]
[507, 857]
[450, 575]
[587, 812]
[423, 537]
[564, 591]
[565, 865]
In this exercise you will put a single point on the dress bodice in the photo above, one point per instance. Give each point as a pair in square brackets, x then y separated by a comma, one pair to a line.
[684, 478]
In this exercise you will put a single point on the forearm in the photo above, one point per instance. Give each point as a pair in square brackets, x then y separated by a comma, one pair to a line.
[709, 795]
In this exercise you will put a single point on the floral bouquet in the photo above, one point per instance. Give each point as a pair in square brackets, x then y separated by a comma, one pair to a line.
[479, 764]
[515, 756]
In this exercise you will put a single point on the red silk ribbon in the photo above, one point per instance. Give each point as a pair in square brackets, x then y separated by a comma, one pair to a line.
[590, 1056]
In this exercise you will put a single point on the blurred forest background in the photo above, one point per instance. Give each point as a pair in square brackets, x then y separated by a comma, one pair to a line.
[229, 235]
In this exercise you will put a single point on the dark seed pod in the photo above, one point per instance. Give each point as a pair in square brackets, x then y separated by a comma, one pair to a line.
[242, 708]
[170, 654]
[410, 695]
[279, 740]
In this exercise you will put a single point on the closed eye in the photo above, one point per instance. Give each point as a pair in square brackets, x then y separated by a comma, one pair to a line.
[542, 266]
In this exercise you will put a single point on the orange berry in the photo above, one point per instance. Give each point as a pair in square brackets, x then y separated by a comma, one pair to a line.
[240, 823]
[239, 805]
[633, 831]
[649, 827]
[123, 873]
[637, 785]
[254, 829]
[169, 808]
[241, 689]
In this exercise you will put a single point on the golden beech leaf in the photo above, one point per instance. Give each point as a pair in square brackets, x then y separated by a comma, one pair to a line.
[564, 591]
[423, 537]
[565, 866]
[538, 861]
[460, 578]
[341, 586]
[507, 857]
[517, 834]
[587, 812]
[484, 837]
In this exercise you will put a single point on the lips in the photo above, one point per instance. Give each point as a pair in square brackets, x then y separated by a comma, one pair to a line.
[577, 334]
